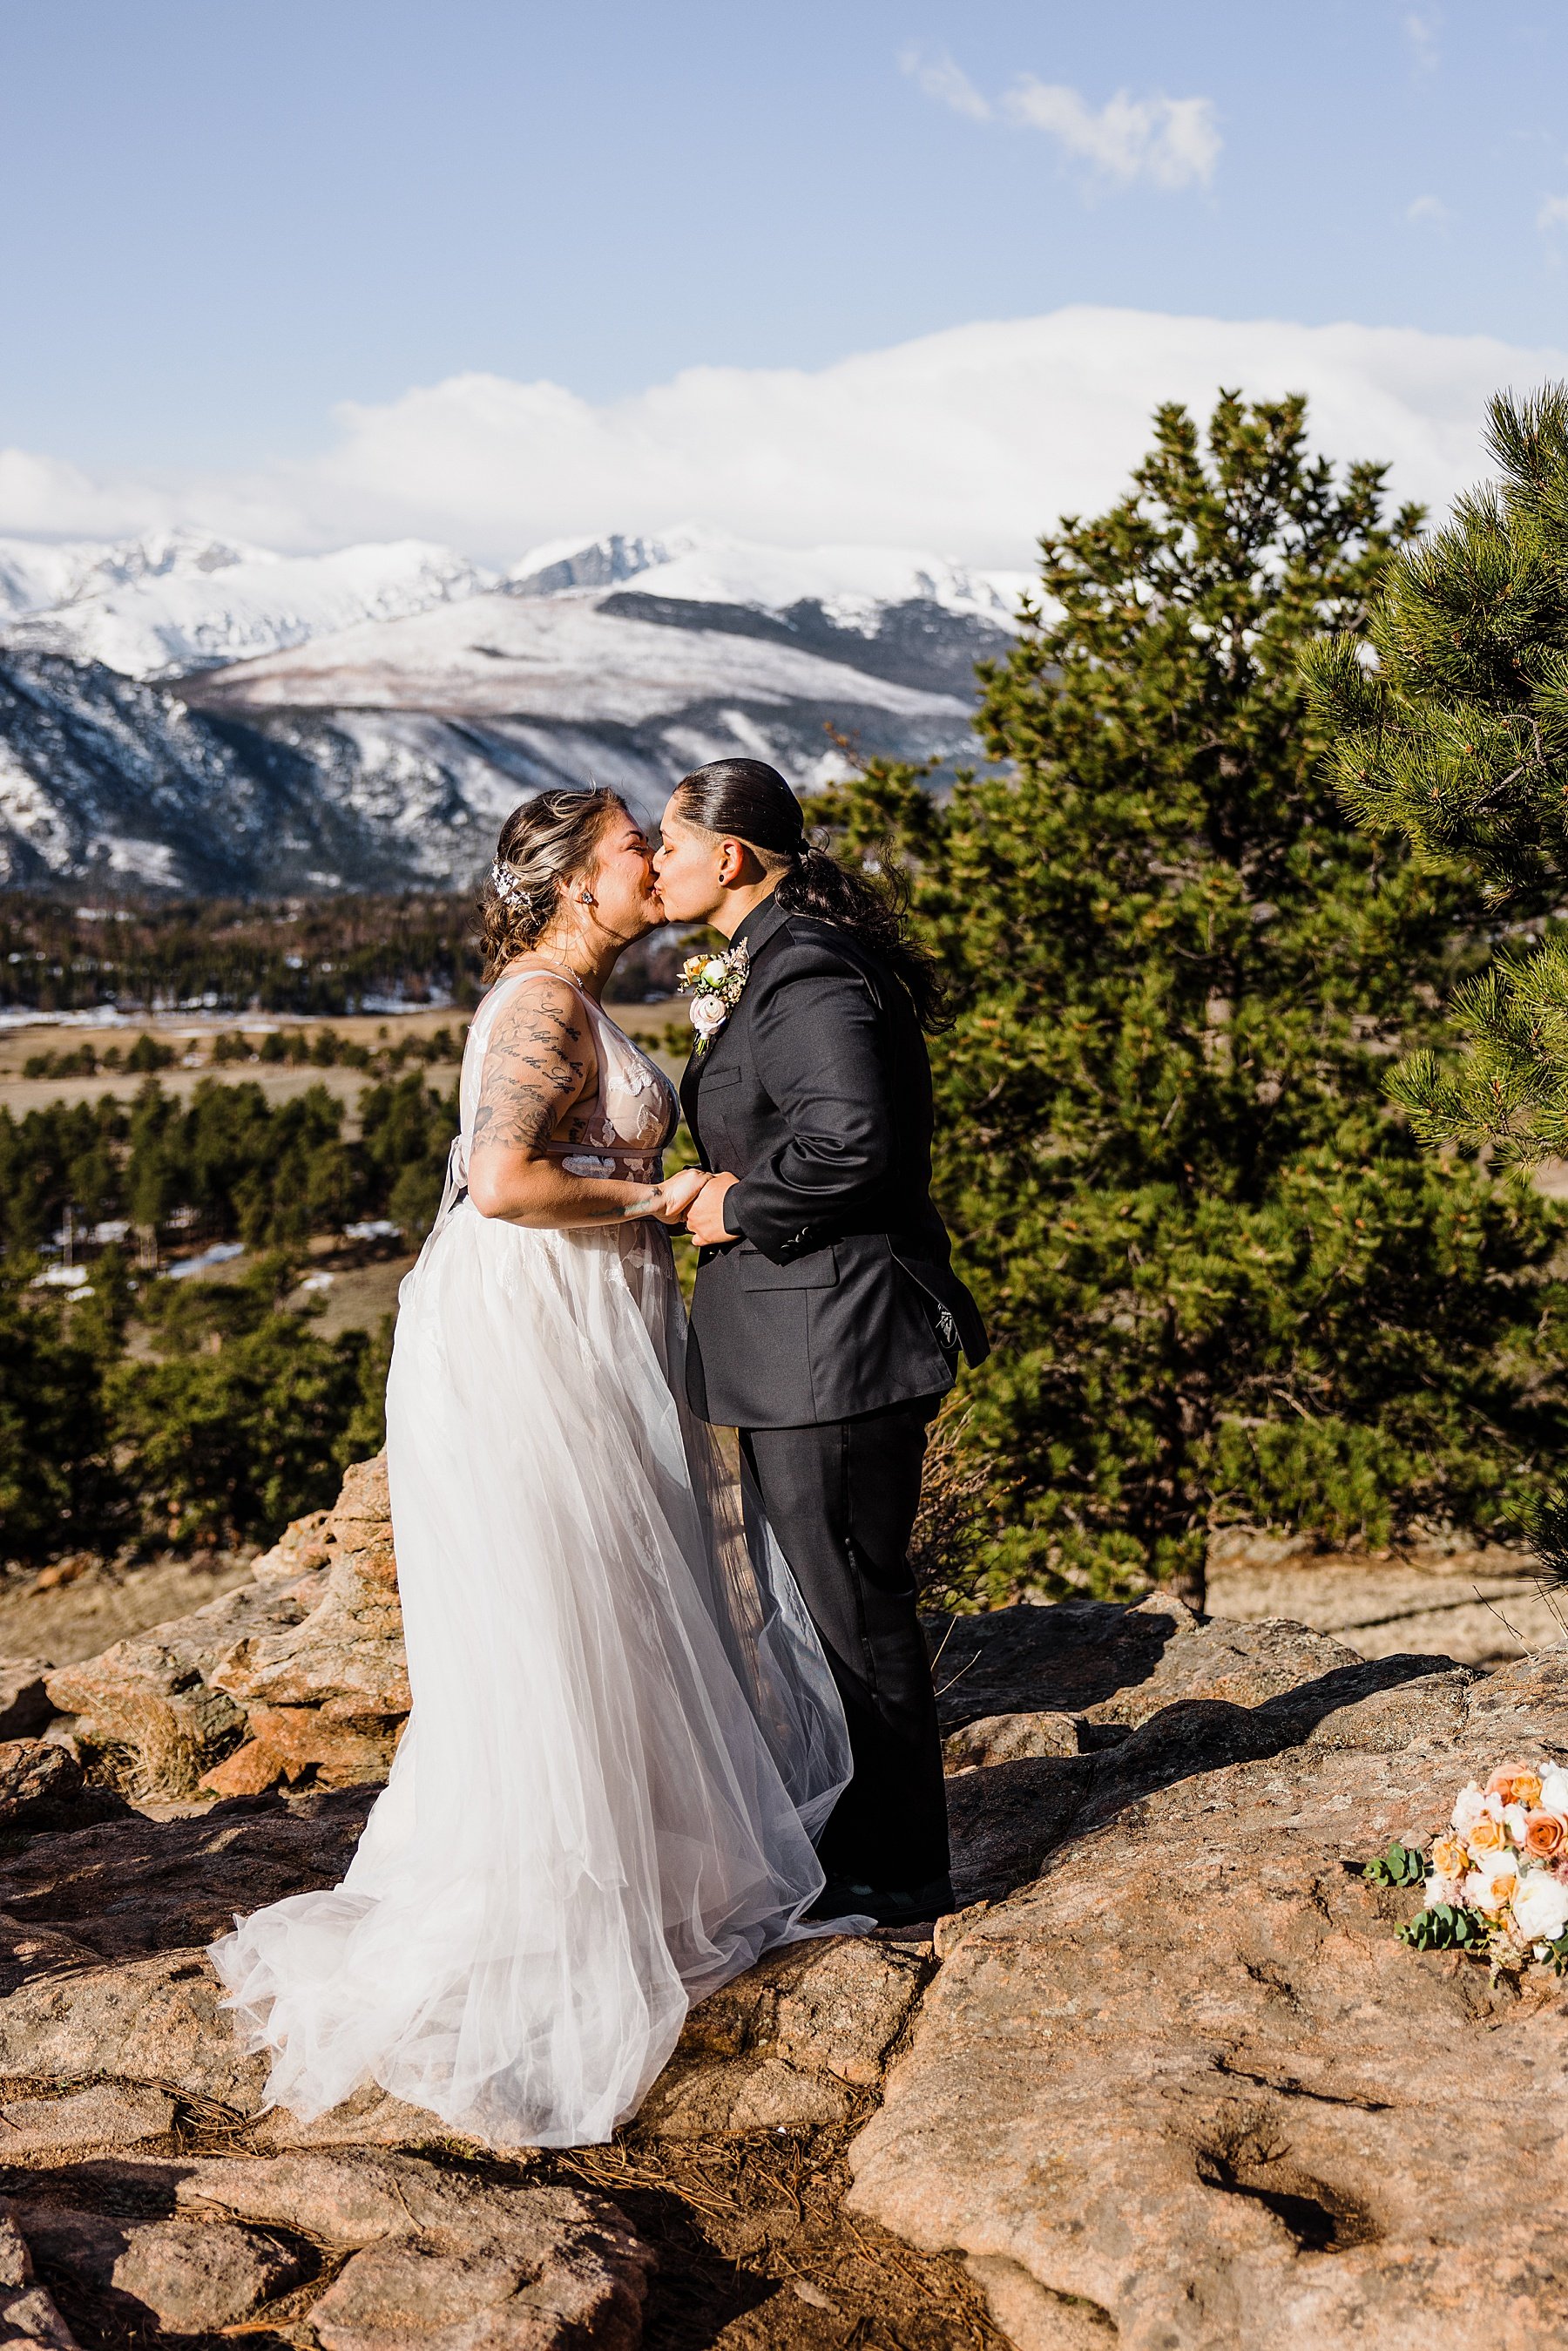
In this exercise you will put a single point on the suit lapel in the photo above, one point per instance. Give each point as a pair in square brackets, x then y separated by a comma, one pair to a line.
[762, 924]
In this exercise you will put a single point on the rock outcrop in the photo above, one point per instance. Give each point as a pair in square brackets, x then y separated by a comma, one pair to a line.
[42, 1786]
[25, 1703]
[146, 1714]
[1184, 2087]
[1165, 2079]
[787, 2045]
[370, 2252]
[326, 1697]
[297, 1677]
[28, 2315]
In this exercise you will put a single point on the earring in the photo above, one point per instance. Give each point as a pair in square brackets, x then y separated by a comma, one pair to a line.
[586, 898]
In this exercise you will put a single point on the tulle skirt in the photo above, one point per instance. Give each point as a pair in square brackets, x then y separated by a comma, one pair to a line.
[624, 1732]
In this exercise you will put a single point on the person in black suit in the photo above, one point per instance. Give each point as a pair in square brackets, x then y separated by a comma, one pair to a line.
[828, 1321]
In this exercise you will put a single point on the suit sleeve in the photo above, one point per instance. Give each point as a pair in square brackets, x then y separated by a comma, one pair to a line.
[818, 1041]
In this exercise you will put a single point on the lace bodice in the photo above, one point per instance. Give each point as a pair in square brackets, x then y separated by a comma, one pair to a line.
[629, 1119]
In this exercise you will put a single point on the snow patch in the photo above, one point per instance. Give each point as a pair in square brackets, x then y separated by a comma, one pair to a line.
[181, 602]
[852, 583]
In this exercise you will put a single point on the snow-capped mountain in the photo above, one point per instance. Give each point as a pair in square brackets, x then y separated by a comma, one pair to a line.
[367, 719]
[851, 583]
[161, 607]
[589, 657]
[113, 783]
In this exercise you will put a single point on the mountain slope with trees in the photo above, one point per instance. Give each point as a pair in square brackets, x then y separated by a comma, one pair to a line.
[193, 1411]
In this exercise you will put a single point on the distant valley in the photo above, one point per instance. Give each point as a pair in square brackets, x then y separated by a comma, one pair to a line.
[186, 716]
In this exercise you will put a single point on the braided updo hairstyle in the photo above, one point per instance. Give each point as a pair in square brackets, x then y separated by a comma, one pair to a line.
[543, 844]
[751, 802]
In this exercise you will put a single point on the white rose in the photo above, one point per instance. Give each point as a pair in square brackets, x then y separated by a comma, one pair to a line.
[1513, 1821]
[715, 972]
[1469, 1806]
[1541, 1907]
[1554, 1791]
[707, 1015]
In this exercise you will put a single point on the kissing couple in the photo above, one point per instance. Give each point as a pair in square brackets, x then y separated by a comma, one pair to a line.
[664, 1718]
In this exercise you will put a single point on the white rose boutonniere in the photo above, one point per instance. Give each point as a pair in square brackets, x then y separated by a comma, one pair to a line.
[715, 985]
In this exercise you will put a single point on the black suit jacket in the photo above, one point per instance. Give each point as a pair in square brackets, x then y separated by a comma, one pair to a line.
[836, 1295]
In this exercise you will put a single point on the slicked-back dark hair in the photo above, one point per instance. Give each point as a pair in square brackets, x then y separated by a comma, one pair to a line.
[750, 801]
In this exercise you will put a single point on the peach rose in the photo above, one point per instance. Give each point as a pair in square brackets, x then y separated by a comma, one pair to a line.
[1490, 1887]
[1488, 1836]
[1543, 1835]
[1515, 1783]
[1449, 1858]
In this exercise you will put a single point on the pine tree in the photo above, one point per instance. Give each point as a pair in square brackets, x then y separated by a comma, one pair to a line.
[1457, 740]
[1225, 1283]
[57, 1481]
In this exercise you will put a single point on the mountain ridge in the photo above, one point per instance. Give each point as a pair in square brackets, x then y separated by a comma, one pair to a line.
[391, 704]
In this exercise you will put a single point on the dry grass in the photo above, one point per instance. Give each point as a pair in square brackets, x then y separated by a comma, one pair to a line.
[81, 1606]
[953, 1492]
[755, 2250]
[757, 2254]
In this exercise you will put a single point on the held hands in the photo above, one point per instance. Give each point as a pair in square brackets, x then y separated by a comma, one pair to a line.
[677, 1192]
[705, 1217]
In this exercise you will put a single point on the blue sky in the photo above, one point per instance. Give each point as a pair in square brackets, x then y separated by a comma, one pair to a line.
[224, 220]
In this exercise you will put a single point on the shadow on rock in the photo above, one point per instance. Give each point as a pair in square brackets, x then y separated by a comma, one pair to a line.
[1009, 1818]
[136, 1886]
[1064, 1659]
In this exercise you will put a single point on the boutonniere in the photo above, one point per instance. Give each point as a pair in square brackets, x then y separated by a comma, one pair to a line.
[715, 985]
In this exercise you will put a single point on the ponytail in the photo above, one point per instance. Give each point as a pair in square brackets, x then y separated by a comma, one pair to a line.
[876, 913]
[751, 801]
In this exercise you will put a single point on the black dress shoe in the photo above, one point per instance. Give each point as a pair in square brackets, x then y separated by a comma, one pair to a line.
[890, 1906]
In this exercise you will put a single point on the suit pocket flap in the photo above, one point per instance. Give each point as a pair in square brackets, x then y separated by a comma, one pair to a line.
[711, 1080]
[818, 1270]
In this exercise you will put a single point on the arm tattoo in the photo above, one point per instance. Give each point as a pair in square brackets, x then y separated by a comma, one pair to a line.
[535, 1067]
[616, 1211]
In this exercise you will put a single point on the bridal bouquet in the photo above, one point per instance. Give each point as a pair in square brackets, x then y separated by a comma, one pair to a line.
[1497, 1884]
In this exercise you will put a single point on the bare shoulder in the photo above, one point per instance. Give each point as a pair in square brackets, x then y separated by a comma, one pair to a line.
[539, 1060]
[543, 1000]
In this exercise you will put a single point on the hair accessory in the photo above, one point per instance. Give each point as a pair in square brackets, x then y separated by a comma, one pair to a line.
[507, 886]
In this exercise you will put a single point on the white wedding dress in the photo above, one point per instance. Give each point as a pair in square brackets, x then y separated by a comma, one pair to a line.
[624, 1731]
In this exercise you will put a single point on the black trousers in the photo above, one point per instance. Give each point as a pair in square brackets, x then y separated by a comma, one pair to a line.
[842, 1497]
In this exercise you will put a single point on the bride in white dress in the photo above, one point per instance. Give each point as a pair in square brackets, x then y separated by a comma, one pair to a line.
[624, 1733]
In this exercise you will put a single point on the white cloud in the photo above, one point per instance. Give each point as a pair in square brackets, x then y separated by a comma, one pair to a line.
[41, 494]
[970, 442]
[1429, 208]
[1171, 141]
[1421, 32]
[948, 83]
[1553, 215]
